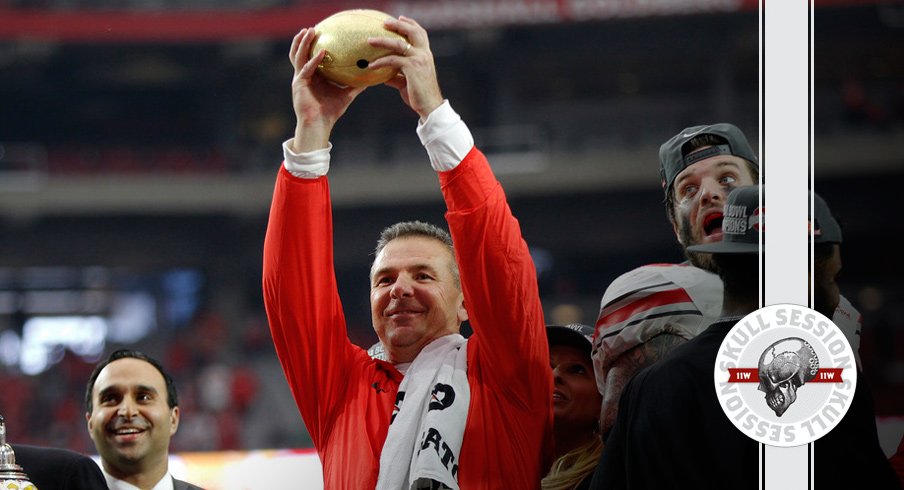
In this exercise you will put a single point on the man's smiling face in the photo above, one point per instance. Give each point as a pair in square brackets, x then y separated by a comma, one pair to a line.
[414, 296]
[131, 421]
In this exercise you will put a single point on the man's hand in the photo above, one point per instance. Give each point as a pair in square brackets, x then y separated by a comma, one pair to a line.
[318, 103]
[417, 82]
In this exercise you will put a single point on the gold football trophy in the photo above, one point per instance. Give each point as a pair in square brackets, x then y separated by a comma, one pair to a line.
[12, 476]
[343, 36]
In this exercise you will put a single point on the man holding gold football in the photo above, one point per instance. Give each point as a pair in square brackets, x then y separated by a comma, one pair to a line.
[440, 411]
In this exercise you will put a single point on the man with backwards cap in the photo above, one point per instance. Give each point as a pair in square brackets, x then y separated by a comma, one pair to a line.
[648, 311]
[668, 403]
[673, 402]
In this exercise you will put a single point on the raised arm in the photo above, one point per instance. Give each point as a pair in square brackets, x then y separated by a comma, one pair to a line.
[417, 83]
[497, 273]
[318, 103]
[299, 283]
[499, 280]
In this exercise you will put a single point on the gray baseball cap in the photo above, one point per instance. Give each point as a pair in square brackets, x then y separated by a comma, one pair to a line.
[673, 157]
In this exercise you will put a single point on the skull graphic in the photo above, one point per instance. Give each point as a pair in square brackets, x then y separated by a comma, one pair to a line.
[784, 367]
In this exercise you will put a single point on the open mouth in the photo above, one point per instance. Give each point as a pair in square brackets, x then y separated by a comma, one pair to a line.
[712, 224]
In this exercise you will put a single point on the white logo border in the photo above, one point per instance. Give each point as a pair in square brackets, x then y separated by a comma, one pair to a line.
[776, 318]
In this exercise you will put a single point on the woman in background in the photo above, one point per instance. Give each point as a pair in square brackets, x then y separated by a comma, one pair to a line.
[576, 408]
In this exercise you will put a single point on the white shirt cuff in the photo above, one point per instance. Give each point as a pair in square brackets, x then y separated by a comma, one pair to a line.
[446, 138]
[307, 165]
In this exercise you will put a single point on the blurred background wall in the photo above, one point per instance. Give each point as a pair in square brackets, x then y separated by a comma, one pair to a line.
[139, 141]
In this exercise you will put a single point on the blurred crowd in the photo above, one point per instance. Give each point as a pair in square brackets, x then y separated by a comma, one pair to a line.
[231, 391]
[151, 4]
[233, 394]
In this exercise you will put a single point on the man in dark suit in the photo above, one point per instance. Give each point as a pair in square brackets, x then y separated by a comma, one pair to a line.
[132, 412]
[53, 468]
[48, 467]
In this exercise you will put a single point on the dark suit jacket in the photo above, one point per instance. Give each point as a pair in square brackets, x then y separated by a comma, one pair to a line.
[53, 468]
[177, 485]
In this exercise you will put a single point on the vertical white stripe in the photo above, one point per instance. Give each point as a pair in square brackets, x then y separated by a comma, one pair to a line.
[785, 163]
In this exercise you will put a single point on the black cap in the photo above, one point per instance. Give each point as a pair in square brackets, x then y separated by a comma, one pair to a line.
[742, 224]
[825, 229]
[743, 221]
[574, 334]
[673, 158]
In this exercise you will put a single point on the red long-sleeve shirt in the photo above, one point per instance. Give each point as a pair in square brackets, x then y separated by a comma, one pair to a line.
[346, 398]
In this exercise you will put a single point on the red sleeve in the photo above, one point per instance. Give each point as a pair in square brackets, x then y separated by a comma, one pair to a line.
[302, 300]
[499, 282]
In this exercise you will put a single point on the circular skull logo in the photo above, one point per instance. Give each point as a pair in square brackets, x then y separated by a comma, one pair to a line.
[783, 368]
[765, 360]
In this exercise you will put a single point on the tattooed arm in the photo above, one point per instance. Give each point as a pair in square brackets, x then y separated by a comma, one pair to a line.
[645, 313]
[625, 367]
